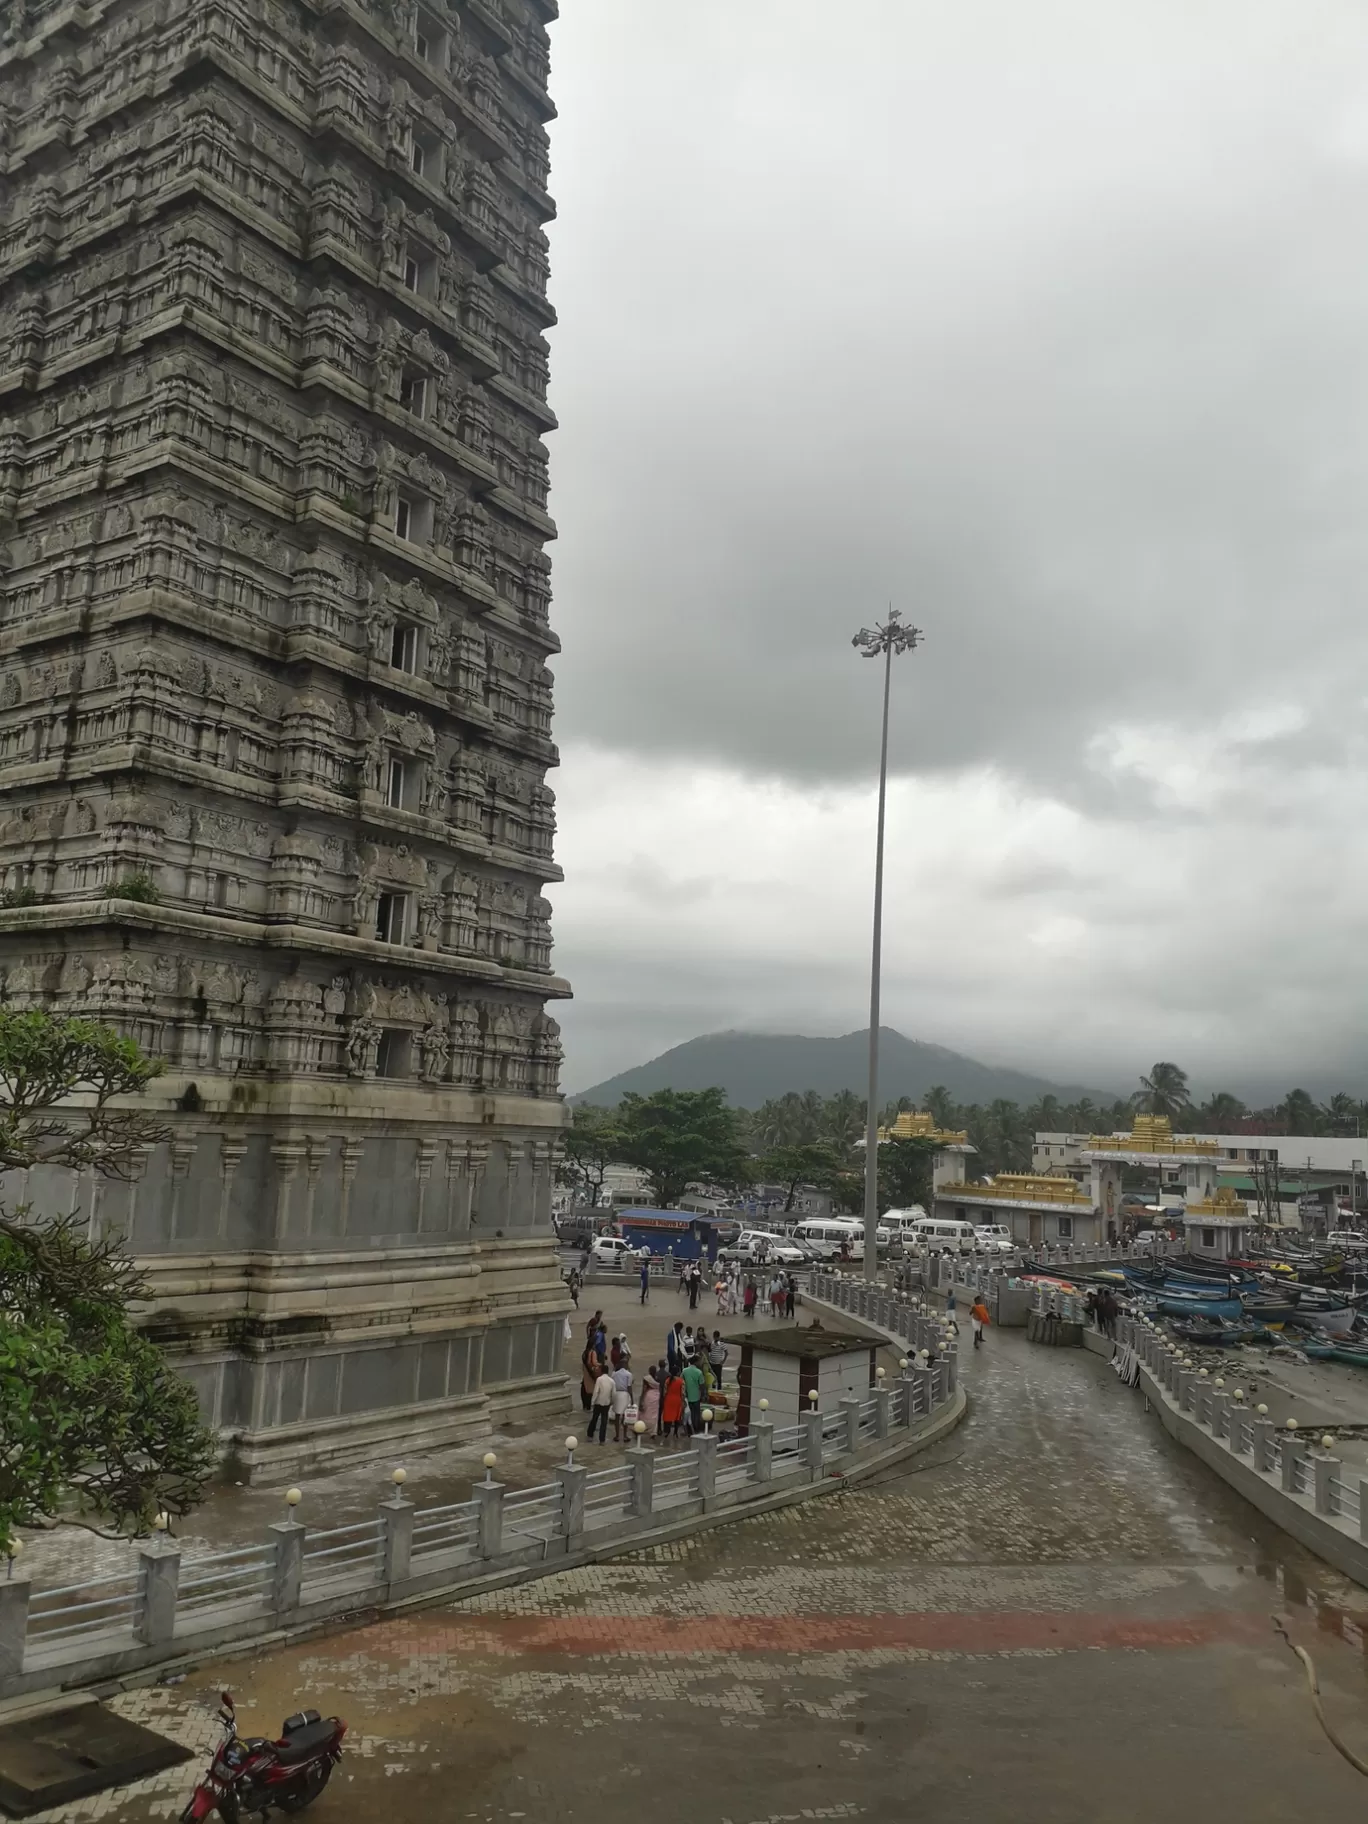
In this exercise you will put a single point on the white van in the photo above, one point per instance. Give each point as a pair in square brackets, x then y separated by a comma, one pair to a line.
[823, 1236]
[939, 1233]
[900, 1224]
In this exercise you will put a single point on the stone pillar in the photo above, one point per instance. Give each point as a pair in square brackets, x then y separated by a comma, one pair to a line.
[763, 1433]
[572, 1477]
[288, 1576]
[951, 1369]
[159, 1583]
[812, 1444]
[396, 1520]
[1363, 1510]
[1263, 1437]
[883, 1411]
[705, 1446]
[14, 1608]
[1325, 1469]
[642, 1464]
[850, 1412]
[490, 1497]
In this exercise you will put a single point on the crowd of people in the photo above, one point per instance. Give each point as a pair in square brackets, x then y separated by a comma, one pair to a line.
[669, 1397]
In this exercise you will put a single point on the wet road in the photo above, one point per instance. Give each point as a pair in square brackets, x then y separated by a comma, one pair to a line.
[1054, 1614]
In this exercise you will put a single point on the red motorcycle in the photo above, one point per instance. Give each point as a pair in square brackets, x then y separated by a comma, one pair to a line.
[248, 1775]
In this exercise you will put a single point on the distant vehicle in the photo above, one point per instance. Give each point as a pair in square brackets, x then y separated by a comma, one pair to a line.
[758, 1247]
[902, 1222]
[613, 1251]
[995, 1238]
[940, 1233]
[826, 1237]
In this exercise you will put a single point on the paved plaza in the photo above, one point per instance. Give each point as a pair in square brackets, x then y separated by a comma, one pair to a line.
[1054, 1614]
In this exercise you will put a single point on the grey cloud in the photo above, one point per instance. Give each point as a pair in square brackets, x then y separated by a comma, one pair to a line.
[1070, 365]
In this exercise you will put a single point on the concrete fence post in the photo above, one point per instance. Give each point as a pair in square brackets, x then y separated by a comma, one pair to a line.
[1363, 1508]
[1220, 1414]
[490, 1496]
[1263, 1437]
[1293, 1450]
[643, 1481]
[287, 1578]
[572, 1477]
[951, 1369]
[812, 1444]
[763, 1433]
[14, 1607]
[396, 1521]
[883, 1411]
[1326, 1468]
[850, 1412]
[705, 1446]
[158, 1586]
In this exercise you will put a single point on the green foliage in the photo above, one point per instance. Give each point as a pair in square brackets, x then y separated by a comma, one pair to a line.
[680, 1137]
[814, 1162]
[592, 1143]
[905, 1173]
[93, 1425]
[1164, 1091]
[20, 896]
[44, 1061]
[139, 887]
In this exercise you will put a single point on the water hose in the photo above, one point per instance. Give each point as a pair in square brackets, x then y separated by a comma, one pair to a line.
[1313, 1687]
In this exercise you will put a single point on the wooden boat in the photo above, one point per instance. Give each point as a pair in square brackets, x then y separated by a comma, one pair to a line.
[1199, 1307]
[1333, 1320]
[1337, 1352]
[1215, 1332]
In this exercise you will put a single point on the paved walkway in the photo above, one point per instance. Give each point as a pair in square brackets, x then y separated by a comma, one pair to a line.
[1056, 1614]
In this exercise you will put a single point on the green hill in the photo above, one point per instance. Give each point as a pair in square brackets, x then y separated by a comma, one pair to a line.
[754, 1066]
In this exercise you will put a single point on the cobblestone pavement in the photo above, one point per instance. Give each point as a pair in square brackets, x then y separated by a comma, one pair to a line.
[1053, 1614]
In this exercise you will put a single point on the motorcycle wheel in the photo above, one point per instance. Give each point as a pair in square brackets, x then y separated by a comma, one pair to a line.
[315, 1780]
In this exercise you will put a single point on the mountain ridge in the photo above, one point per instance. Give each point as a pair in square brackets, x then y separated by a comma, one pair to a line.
[754, 1067]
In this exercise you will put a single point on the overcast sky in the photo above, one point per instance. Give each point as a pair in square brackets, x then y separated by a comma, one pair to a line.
[1048, 323]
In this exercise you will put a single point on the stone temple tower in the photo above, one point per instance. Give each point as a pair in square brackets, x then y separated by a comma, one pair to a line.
[275, 713]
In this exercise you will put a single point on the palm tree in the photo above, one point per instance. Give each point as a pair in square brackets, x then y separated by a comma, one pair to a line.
[1083, 1116]
[1299, 1112]
[1221, 1111]
[940, 1105]
[843, 1120]
[1344, 1113]
[1164, 1091]
[811, 1120]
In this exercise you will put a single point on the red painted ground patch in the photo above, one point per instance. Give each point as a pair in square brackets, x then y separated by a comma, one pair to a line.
[993, 1632]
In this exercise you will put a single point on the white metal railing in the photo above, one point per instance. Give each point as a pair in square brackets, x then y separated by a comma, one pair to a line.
[220, 1578]
[102, 1605]
[534, 1513]
[439, 1532]
[608, 1489]
[164, 1600]
[344, 1551]
[1344, 1499]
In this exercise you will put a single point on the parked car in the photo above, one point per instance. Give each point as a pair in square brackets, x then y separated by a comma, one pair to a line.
[994, 1238]
[757, 1247]
[613, 1251]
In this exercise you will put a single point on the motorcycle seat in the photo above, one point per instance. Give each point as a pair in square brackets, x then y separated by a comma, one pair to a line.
[301, 1744]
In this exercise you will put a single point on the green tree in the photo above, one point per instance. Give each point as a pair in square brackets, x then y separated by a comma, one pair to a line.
[843, 1120]
[95, 1428]
[680, 1137]
[1220, 1112]
[1298, 1112]
[941, 1106]
[905, 1168]
[1083, 1117]
[592, 1143]
[815, 1164]
[1344, 1114]
[1164, 1091]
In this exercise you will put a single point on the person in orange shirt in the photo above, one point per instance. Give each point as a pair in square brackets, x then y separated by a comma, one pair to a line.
[978, 1316]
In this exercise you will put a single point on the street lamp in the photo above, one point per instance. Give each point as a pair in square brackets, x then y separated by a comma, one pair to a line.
[878, 642]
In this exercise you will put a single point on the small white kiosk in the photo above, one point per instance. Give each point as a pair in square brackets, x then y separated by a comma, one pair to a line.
[784, 1366]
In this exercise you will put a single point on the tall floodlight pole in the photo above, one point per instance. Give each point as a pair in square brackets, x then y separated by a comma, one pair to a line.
[875, 642]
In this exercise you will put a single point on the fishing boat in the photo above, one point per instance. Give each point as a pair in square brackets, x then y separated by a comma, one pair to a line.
[1337, 1352]
[1334, 1320]
[1216, 1332]
[1200, 1307]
